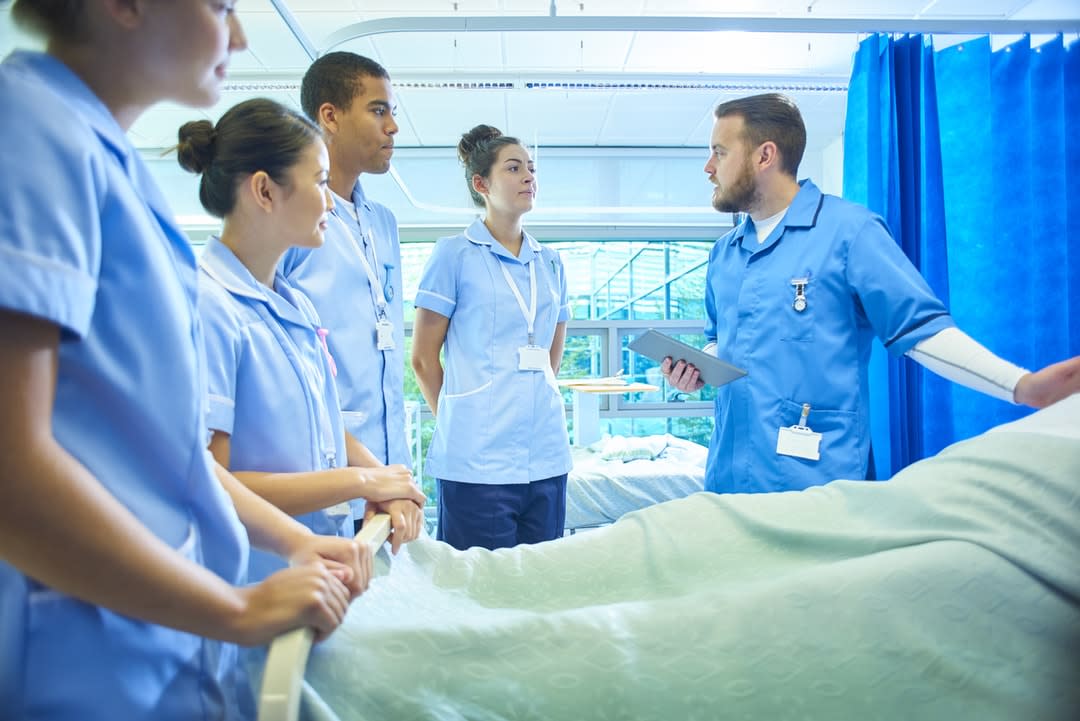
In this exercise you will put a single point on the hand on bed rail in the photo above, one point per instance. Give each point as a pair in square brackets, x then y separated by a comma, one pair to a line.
[406, 519]
[346, 559]
[308, 595]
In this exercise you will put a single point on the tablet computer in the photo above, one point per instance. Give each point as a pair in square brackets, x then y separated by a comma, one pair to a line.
[658, 346]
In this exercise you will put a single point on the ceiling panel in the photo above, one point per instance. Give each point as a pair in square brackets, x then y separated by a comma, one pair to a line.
[441, 116]
[742, 53]
[643, 118]
[272, 44]
[554, 117]
[569, 51]
[440, 52]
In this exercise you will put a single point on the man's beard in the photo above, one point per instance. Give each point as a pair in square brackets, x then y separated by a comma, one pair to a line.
[739, 197]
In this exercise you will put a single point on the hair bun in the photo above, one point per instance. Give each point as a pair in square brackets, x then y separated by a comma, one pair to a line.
[471, 140]
[195, 149]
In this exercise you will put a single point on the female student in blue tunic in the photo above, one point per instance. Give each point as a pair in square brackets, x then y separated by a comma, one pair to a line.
[273, 405]
[123, 546]
[496, 299]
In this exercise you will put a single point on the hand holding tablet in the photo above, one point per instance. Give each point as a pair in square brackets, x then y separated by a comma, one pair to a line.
[658, 346]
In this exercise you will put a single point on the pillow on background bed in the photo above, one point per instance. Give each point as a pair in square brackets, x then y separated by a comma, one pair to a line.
[621, 448]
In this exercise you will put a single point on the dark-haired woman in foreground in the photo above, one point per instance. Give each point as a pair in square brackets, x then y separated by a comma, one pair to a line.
[124, 547]
[273, 404]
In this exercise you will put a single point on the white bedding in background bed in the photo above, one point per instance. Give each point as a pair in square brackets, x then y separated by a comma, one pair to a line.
[617, 475]
[950, 592]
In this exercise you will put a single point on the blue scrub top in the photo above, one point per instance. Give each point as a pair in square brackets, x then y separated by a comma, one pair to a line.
[859, 284]
[496, 424]
[270, 384]
[370, 382]
[88, 243]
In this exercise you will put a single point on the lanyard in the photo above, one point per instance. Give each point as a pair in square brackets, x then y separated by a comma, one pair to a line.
[378, 295]
[529, 314]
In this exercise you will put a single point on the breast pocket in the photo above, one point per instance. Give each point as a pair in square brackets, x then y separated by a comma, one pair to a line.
[796, 313]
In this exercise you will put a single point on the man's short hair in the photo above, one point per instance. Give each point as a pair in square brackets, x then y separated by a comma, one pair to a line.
[771, 117]
[336, 78]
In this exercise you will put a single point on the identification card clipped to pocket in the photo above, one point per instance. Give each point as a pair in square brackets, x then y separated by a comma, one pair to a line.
[533, 358]
[384, 335]
[799, 440]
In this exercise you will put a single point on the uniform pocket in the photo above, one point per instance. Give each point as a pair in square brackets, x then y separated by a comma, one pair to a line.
[80, 656]
[841, 440]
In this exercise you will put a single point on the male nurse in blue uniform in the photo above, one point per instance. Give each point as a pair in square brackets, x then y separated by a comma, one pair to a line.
[354, 280]
[796, 294]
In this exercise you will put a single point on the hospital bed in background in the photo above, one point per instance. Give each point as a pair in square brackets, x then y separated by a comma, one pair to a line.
[950, 592]
[620, 474]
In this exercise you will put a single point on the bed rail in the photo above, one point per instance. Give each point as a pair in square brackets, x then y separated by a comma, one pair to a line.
[279, 698]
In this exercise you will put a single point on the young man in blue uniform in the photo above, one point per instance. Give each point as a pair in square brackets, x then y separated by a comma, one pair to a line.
[354, 280]
[796, 294]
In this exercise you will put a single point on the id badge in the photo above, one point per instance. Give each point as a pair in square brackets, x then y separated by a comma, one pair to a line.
[384, 335]
[533, 358]
[800, 442]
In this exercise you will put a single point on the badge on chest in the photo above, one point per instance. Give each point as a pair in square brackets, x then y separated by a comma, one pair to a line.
[532, 358]
[384, 335]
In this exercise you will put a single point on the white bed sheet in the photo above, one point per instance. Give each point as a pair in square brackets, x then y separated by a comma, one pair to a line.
[950, 592]
[600, 489]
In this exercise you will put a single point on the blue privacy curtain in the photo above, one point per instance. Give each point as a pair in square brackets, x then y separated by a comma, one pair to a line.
[966, 153]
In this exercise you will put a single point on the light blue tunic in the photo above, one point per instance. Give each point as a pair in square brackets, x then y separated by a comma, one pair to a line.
[496, 424]
[371, 382]
[859, 285]
[270, 384]
[88, 243]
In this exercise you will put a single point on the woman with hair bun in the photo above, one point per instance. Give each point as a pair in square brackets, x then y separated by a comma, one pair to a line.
[123, 546]
[273, 406]
[495, 300]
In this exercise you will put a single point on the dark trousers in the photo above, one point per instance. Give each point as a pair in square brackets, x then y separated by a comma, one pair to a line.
[501, 516]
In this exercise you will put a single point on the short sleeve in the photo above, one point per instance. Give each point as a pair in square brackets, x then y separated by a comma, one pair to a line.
[438, 284]
[50, 221]
[221, 338]
[896, 299]
[564, 302]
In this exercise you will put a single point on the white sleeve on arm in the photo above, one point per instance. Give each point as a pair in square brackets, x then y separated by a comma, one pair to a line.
[956, 356]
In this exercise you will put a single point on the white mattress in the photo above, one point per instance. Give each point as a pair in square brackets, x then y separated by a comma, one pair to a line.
[601, 488]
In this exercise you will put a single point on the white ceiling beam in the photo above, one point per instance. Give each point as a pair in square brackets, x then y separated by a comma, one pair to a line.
[641, 23]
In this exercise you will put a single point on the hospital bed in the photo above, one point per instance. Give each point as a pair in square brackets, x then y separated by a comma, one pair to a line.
[950, 592]
[620, 474]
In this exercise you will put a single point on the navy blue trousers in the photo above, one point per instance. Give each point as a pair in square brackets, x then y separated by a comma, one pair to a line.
[501, 516]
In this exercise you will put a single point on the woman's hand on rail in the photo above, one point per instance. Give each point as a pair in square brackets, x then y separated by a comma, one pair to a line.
[406, 520]
[346, 559]
[309, 595]
[388, 483]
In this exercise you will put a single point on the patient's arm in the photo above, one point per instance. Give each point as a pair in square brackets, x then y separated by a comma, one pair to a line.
[958, 357]
[126, 569]
[1049, 385]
